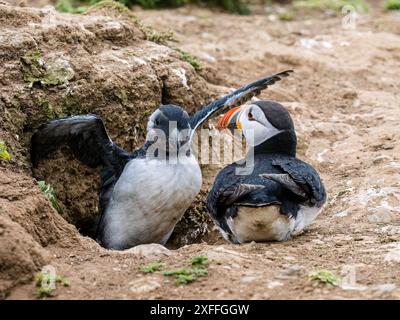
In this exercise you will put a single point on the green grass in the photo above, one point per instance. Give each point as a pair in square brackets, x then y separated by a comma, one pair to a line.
[392, 5]
[153, 267]
[186, 275]
[70, 6]
[50, 194]
[185, 56]
[42, 292]
[4, 154]
[199, 261]
[324, 276]
[334, 5]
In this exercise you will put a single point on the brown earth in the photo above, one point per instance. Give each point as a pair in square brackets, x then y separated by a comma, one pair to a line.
[344, 100]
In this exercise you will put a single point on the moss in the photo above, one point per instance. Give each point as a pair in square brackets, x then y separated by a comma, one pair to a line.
[392, 5]
[48, 110]
[122, 96]
[47, 73]
[71, 104]
[159, 37]
[185, 56]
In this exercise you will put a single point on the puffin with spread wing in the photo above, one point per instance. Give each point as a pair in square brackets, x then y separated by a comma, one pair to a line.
[272, 195]
[143, 193]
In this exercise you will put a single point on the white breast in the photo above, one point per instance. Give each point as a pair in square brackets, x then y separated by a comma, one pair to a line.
[268, 224]
[148, 200]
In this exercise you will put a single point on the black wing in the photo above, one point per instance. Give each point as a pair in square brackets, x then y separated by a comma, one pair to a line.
[230, 190]
[301, 179]
[85, 135]
[236, 98]
[88, 139]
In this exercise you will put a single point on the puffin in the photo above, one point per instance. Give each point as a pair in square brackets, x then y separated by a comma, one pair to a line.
[271, 195]
[144, 193]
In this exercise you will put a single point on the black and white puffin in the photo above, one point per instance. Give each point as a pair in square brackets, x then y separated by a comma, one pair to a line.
[272, 195]
[143, 193]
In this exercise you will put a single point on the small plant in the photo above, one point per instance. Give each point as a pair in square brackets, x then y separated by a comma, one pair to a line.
[153, 267]
[190, 59]
[4, 155]
[199, 261]
[392, 5]
[43, 292]
[286, 16]
[51, 195]
[324, 276]
[186, 275]
[159, 37]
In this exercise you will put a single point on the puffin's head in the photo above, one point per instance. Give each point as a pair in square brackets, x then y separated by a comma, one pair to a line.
[258, 121]
[169, 127]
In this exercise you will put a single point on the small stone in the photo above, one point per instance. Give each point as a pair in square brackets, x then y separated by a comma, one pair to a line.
[143, 285]
[290, 272]
[274, 284]
[249, 279]
[385, 287]
[152, 250]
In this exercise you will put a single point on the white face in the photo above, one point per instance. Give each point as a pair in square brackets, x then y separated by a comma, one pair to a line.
[165, 133]
[255, 126]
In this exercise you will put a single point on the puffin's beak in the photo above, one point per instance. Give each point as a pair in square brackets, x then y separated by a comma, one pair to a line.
[230, 120]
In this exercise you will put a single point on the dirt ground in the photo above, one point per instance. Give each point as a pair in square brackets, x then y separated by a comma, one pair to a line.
[344, 97]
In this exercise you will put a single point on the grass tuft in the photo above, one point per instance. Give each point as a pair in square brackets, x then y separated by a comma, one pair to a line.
[43, 292]
[324, 276]
[185, 56]
[51, 195]
[4, 154]
[199, 261]
[153, 267]
[392, 5]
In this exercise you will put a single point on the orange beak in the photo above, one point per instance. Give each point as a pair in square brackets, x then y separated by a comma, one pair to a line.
[229, 120]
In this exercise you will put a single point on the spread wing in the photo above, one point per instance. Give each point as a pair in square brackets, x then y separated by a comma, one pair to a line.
[235, 98]
[300, 178]
[85, 135]
[88, 139]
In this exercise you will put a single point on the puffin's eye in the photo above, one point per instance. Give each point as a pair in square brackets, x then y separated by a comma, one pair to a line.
[250, 116]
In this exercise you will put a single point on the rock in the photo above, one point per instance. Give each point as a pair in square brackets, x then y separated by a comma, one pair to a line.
[143, 285]
[222, 255]
[149, 251]
[54, 65]
[274, 284]
[291, 271]
[393, 255]
[385, 288]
